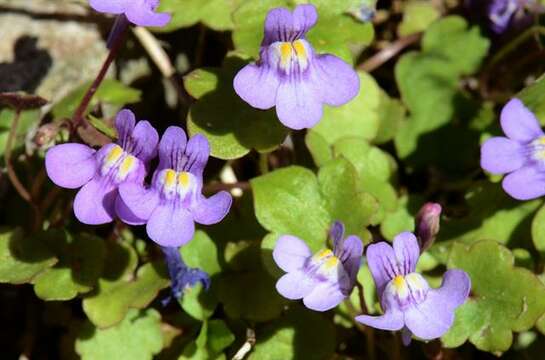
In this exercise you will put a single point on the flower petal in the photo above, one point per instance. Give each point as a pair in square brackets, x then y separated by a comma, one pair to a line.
[324, 297]
[290, 253]
[391, 320]
[407, 252]
[298, 106]
[141, 15]
[382, 264]
[124, 123]
[525, 183]
[282, 25]
[257, 85]
[139, 201]
[335, 81]
[196, 156]
[519, 123]
[295, 285]
[144, 139]
[212, 210]
[95, 202]
[70, 165]
[454, 289]
[125, 214]
[109, 6]
[429, 319]
[336, 233]
[170, 225]
[500, 155]
[171, 148]
[350, 256]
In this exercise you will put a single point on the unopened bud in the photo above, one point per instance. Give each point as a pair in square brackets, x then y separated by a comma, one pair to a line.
[427, 225]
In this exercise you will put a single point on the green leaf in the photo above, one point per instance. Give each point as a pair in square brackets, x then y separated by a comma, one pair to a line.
[201, 252]
[417, 16]
[533, 97]
[504, 298]
[492, 215]
[138, 337]
[319, 148]
[376, 170]
[358, 118]
[392, 115]
[299, 334]
[22, 258]
[250, 295]
[27, 120]
[538, 230]
[120, 289]
[398, 221]
[461, 39]
[232, 126]
[288, 201]
[213, 338]
[80, 264]
[110, 91]
[344, 197]
[216, 14]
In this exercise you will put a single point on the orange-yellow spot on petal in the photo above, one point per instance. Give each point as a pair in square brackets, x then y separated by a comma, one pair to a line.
[399, 282]
[285, 52]
[324, 253]
[170, 178]
[331, 262]
[184, 179]
[127, 165]
[300, 49]
[115, 153]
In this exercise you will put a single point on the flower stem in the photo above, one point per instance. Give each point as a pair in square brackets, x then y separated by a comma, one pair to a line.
[116, 42]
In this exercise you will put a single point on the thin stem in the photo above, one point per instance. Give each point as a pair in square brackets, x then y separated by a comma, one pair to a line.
[84, 104]
[361, 297]
[389, 52]
[17, 184]
[264, 163]
[515, 43]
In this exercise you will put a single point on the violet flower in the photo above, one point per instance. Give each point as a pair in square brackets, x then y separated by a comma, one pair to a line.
[409, 304]
[521, 154]
[138, 12]
[324, 279]
[501, 15]
[99, 173]
[174, 202]
[291, 76]
[182, 277]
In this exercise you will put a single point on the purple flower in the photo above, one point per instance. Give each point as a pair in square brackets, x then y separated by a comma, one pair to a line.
[324, 279]
[502, 15]
[521, 154]
[182, 277]
[99, 173]
[139, 12]
[427, 224]
[174, 202]
[291, 76]
[406, 298]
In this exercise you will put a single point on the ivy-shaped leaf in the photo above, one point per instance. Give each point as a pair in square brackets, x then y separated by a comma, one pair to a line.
[22, 258]
[216, 14]
[120, 289]
[80, 265]
[137, 337]
[232, 127]
[504, 298]
[213, 338]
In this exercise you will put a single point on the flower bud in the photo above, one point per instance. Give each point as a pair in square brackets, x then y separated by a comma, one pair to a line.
[427, 224]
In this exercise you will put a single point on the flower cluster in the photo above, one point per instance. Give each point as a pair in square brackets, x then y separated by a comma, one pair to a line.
[112, 183]
[326, 278]
[521, 154]
[291, 76]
